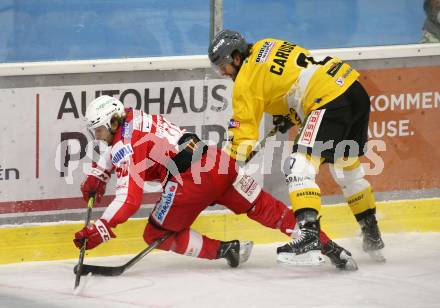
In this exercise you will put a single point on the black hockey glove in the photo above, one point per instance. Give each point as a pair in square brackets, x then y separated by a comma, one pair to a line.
[283, 122]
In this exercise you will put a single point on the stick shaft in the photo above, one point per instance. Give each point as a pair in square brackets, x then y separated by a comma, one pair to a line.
[262, 143]
[147, 250]
[83, 247]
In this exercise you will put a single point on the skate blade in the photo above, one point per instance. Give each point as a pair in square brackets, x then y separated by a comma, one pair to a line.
[312, 258]
[377, 256]
[245, 250]
[351, 264]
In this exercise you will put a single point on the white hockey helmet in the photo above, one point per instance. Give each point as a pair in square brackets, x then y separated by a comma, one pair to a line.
[101, 111]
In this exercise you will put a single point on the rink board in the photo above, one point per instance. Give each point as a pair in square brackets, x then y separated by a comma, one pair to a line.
[54, 241]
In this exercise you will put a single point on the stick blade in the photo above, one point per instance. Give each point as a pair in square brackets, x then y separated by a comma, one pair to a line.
[99, 270]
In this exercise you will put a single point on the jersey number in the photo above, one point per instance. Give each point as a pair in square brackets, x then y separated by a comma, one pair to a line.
[304, 61]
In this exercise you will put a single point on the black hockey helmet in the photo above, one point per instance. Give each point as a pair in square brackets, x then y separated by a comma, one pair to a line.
[224, 44]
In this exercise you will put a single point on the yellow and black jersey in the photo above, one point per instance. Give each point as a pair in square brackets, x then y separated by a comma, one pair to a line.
[281, 78]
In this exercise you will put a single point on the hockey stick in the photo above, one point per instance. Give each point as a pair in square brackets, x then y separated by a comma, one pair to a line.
[262, 143]
[83, 247]
[118, 270]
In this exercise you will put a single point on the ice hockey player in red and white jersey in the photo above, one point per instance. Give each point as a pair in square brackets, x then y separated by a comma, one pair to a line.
[145, 147]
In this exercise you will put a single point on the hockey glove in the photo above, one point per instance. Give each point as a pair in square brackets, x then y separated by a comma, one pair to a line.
[95, 183]
[95, 234]
[283, 122]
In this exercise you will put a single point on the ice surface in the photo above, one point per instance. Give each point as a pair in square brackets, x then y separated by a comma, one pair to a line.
[410, 278]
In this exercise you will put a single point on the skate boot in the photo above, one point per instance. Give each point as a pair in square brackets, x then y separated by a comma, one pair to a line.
[372, 242]
[340, 257]
[235, 252]
[305, 249]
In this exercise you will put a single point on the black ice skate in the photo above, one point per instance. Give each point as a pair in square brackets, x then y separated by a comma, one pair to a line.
[305, 249]
[340, 257]
[372, 242]
[235, 252]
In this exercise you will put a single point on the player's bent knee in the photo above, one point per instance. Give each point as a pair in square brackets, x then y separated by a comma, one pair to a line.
[351, 181]
[152, 233]
[300, 172]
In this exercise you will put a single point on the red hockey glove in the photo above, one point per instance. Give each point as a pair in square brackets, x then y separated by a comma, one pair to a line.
[93, 185]
[95, 234]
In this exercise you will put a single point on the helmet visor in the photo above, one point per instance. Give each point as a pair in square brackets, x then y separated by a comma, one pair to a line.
[98, 133]
[220, 68]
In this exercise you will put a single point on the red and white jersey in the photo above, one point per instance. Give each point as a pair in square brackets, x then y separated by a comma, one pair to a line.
[142, 147]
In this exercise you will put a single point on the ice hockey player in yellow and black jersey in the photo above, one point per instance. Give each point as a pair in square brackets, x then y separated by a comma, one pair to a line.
[323, 97]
